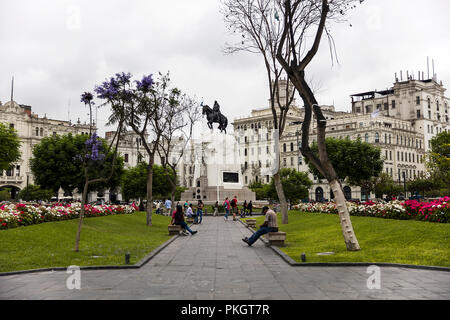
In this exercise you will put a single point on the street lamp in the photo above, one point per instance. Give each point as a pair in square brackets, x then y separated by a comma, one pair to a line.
[297, 133]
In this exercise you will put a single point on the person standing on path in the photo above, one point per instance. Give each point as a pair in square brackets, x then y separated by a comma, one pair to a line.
[270, 225]
[245, 209]
[178, 218]
[200, 211]
[250, 208]
[168, 205]
[234, 207]
[226, 205]
[216, 208]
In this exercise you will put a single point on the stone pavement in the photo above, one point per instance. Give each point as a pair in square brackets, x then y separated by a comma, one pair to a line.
[216, 264]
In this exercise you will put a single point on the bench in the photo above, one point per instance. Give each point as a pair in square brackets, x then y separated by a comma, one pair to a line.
[251, 223]
[189, 220]
[277, 238]
[174, 229]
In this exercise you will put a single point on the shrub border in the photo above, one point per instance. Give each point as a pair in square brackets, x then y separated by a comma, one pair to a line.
[293, 263]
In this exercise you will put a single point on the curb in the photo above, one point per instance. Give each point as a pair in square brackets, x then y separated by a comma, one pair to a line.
[293, 263]
[138, 265]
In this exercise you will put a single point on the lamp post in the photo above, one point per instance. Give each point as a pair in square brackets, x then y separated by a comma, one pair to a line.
[297, 133]
[404, 183]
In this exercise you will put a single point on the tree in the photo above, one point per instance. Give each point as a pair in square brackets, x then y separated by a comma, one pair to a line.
[53, 165]
[438, 159]
[9, 147]
[34, 192]
[260, 28]
[295, 184]
[421, 185]
[302, 19]
[353, 160]
[180, 118]
[385, 185]
[134, 182]
[142, 109]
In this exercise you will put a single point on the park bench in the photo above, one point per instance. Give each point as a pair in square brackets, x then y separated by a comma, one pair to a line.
[251, 223]
[189, 220]
[174, 229]
[276, 238]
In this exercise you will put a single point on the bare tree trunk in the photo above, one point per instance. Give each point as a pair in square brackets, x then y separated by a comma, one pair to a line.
[80, 223]
[149, 207]
[344, 216]
[281, 197]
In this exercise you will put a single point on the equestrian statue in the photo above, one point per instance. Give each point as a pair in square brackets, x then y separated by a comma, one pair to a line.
[214, 115]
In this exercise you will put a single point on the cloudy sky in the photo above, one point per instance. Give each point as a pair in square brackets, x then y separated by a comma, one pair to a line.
[58, 49]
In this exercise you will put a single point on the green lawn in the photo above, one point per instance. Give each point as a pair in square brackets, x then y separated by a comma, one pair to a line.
[108, 238]
[381, 240]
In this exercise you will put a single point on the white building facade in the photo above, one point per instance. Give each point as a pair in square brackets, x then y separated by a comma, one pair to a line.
[31, 129]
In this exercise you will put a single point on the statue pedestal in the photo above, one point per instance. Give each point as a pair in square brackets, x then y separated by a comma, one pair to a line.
[220, 173]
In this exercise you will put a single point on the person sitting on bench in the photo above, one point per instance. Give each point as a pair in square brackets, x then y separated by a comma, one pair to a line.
[178, 218]
[270, 225]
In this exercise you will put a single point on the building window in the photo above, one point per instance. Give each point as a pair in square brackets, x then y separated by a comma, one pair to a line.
[366, 137]
[284, 162]
[292, 146]
[418, 100]
[437, 105]
[18, 171]
[54, 133]
[245, 152]
[284, 147]
[429, 103]
[292, 161]
[246, 180]
[267, 179]
[41, 132]
[429, 114]
[418, 114]
[11, 125]
[126, 158]
[393, 104]
[390, 155]
[377, 137]
[37, 132]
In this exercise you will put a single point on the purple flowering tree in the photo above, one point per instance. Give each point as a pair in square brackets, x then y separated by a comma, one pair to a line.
[94, 155]
[137, 105]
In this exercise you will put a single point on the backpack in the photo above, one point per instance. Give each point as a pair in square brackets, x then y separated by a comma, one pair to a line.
[233, 202]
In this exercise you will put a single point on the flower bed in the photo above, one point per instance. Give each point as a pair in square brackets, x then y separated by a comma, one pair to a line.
[15, 215]
[434, 211]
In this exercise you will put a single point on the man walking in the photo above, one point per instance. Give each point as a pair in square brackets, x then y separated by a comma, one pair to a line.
[270, 225]
[168, 205]
[234, 207]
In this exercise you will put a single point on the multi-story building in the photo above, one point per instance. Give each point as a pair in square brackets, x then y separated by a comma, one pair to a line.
[401, 121]
[31, 130]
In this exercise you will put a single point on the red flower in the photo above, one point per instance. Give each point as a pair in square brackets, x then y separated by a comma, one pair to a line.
[4, 224]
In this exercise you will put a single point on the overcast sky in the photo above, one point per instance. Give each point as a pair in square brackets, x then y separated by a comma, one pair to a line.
[58, 49]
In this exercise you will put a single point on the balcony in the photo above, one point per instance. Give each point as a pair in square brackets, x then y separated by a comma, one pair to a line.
[11, 179]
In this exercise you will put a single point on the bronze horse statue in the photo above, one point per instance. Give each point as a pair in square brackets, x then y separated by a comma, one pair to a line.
[215, 116]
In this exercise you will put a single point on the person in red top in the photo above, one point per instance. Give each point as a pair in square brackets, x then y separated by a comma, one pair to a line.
[178, 218]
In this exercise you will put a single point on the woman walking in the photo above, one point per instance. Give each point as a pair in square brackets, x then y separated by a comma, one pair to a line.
[200, 211]
[226, 205]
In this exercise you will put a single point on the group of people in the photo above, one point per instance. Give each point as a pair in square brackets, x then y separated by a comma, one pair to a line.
[233, 206]
[270, 223]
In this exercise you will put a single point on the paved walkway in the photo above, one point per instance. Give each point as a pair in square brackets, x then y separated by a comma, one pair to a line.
[216, 264]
